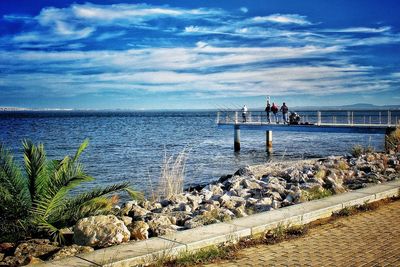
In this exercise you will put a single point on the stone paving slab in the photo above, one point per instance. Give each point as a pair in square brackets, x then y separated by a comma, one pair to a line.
[134, 253]
[67, 262]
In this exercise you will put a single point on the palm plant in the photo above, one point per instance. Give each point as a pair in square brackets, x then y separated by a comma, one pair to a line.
[40, 199]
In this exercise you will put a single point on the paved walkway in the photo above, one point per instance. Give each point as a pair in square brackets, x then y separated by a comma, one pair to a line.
[366, 239]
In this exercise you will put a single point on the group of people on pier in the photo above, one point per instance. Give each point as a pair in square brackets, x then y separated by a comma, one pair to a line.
[274, 109]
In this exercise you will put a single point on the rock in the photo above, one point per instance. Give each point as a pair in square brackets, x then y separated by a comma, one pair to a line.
[207, 194]
[137, 212]
[310, 185]
[245, 171]
[265, 201]
[179, 198]
[223, 178]
[164, 230]
[20, 260]
[36, 248]
[276, 204]
[234, 183]
[184, 207]
[178, 217]
[250, 184]
[390, 171]
[165, 202]
[127, 220]
[240, 211]
[139, 230]
[159, 225]
[195, 199]
[261, 207]
[228, 204]
[275, 195]
[252, 201]
[69, 251]
[148, 205]
[6, 247]
[225, 214]
[244, 193]
[14, 261]
[277, 188]
[199, 220]
[289, 199]
[127, 207]
[100, 231]
[216, 189]
[335, 184]
[365, 168]
[393, 162]
[155, 206]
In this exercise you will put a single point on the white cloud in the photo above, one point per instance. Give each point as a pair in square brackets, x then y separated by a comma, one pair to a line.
[191, 29]
[110, 35]
[282, 19]
[244, 9]
[203, 68]
[359, 30]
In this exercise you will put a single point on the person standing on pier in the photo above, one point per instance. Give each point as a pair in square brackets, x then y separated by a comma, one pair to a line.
[244, 113]
[275, 110]
[285, 111]
[268, 110]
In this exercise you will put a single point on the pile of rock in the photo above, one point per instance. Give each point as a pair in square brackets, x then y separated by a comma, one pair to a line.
[250, 190]
[35, 251]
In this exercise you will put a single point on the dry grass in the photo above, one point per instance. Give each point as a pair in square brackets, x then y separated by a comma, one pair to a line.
[172, 175]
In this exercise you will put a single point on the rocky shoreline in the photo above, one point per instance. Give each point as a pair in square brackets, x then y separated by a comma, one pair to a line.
[250, 190]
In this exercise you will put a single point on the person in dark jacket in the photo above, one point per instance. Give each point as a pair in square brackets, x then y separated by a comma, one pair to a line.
[285, 111]
[268, 110]
[275, 110]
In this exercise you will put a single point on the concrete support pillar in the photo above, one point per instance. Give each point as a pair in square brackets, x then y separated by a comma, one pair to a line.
[268, 142]
[236, 138]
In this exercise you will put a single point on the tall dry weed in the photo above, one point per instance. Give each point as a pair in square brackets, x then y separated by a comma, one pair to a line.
[172, 174]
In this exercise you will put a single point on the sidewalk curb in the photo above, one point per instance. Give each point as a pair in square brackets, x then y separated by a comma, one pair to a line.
[140, 252]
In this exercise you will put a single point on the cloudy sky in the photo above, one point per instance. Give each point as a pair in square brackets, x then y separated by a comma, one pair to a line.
[198, 54]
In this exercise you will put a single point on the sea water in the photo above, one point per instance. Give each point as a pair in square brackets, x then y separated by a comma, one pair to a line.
[130, 146]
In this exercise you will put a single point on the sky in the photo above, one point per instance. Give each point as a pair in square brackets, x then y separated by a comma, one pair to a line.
[198, 54]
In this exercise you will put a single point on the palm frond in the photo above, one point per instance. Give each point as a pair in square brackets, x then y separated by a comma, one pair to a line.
[11, 179]
[50, 229]
[54, 198]
[35, 166]
[78, 206]
[81, 148]
[134, 194]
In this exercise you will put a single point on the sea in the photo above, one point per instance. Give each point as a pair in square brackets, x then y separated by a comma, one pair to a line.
[132, 145]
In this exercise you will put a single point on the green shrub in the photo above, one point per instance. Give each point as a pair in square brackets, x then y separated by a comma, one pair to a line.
[357, 151]
[38, 201]
[347, 211]
[315, 193]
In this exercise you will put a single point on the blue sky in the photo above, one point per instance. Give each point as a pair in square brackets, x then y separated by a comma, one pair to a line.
[198, 54]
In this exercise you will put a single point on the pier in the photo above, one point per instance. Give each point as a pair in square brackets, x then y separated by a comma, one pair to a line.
[329, 121]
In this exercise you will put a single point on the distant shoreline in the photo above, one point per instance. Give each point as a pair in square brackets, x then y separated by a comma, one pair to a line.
[382, 108]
